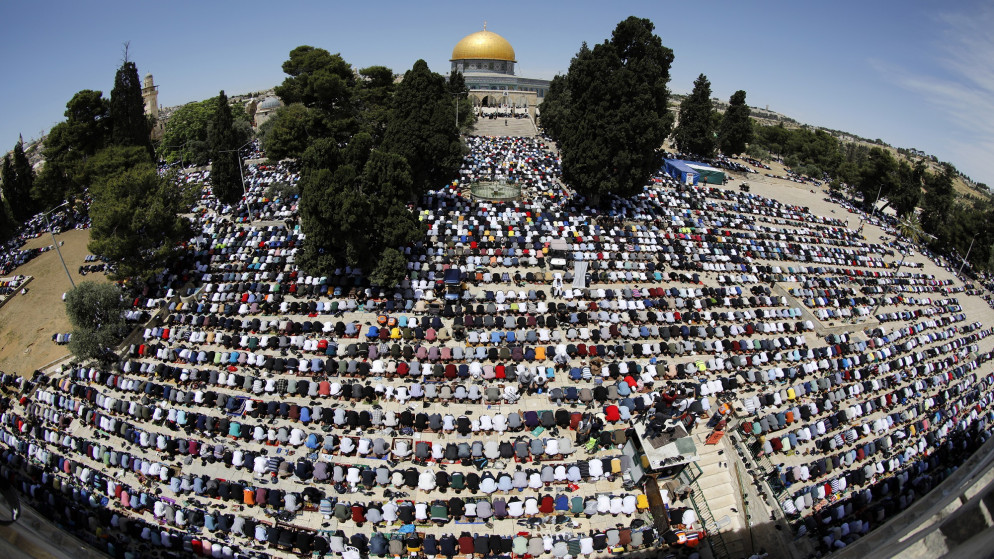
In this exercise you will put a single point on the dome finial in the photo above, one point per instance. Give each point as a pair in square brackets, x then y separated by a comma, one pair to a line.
[484, 25]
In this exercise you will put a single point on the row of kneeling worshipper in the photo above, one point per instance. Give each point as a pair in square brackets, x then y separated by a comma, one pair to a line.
[261, 463]
[80, 495]
[845, 515]
[112, 414]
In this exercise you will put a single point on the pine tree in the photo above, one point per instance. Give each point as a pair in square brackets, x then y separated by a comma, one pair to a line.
[135, 215]
[127, 109]
[736, 126]
[225, 161]
[938, 199]
[694, 132]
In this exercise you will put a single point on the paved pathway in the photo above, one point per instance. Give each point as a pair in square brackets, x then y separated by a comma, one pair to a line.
[496, 127]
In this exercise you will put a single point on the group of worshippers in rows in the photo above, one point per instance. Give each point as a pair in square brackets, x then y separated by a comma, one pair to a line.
[705, 231]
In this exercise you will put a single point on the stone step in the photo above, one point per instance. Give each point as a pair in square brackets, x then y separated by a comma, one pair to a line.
[719, 502]
[712, 458]
[722, 482]
[713, 469]
[737, 547]
[716, 489]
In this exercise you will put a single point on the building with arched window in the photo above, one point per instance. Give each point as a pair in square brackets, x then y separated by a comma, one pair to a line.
[487, 61]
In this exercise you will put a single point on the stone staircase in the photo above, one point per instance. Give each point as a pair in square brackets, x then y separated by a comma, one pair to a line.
[515, 127]
[720, 490]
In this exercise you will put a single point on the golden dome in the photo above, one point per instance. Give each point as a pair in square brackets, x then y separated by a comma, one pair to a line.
[485, 45]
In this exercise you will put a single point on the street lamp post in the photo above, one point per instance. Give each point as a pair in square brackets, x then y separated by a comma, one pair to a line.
[182, 153]
[56, 242]
[904, 254]
[456, 97]
[872, 211]
[960, 272]
[241, 173]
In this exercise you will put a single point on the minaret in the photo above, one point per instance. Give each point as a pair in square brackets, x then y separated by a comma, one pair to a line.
[150, 93]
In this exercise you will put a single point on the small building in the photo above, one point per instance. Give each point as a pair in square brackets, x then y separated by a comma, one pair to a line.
[692, 172]
[662, 454]
[266, 108]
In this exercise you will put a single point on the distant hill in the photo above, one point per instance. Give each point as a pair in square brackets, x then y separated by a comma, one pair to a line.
[964, 185]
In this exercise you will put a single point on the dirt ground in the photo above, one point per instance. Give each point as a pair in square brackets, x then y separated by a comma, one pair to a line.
[28, 321]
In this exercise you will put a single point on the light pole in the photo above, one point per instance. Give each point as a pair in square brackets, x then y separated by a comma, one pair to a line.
[56, 242]
[241, 173]
[456, 97]
[872, 211]
[182, 153]
[960, 272]
[904, 254]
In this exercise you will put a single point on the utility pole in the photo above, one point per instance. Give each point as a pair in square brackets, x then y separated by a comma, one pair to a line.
[960, 272]
[873, 210]
[56, 242]
[241, 173]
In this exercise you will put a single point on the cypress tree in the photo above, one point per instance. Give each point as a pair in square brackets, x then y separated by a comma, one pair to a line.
[7, 177]
[18, 194]
[422, 128]
[225, 176]
[695, 132]
[736, 126]
[609, 114]
[127, 109]
[7, 182]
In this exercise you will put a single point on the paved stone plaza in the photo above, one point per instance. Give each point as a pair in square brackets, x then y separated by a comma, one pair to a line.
[266, 411]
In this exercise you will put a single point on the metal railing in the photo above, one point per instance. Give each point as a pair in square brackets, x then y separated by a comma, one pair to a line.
[716, 542]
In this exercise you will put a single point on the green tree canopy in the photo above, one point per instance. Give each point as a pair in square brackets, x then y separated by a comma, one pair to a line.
[736, 126]
[113, 160]
[390, 270]
[367, 147]
[555, 106]
[18, 182]
[350, 218]
[127, 109]
[612, 116]
[695, 132]
[879, 174]
[815, 150]
[319, 80]
[6, 177]
[288, 132]
[374, 94]
[464, 105]
[908, 192]
[938, 199]
[333, 215]
[422, 128]
[95, 311]
[135, 217]
[89, 124]
[225, 161]
[69, 145]
[186, 134]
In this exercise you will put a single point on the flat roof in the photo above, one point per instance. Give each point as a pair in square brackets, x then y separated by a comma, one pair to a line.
[672, 446]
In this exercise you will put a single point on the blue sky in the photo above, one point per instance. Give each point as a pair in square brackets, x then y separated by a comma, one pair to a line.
[913, 73]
